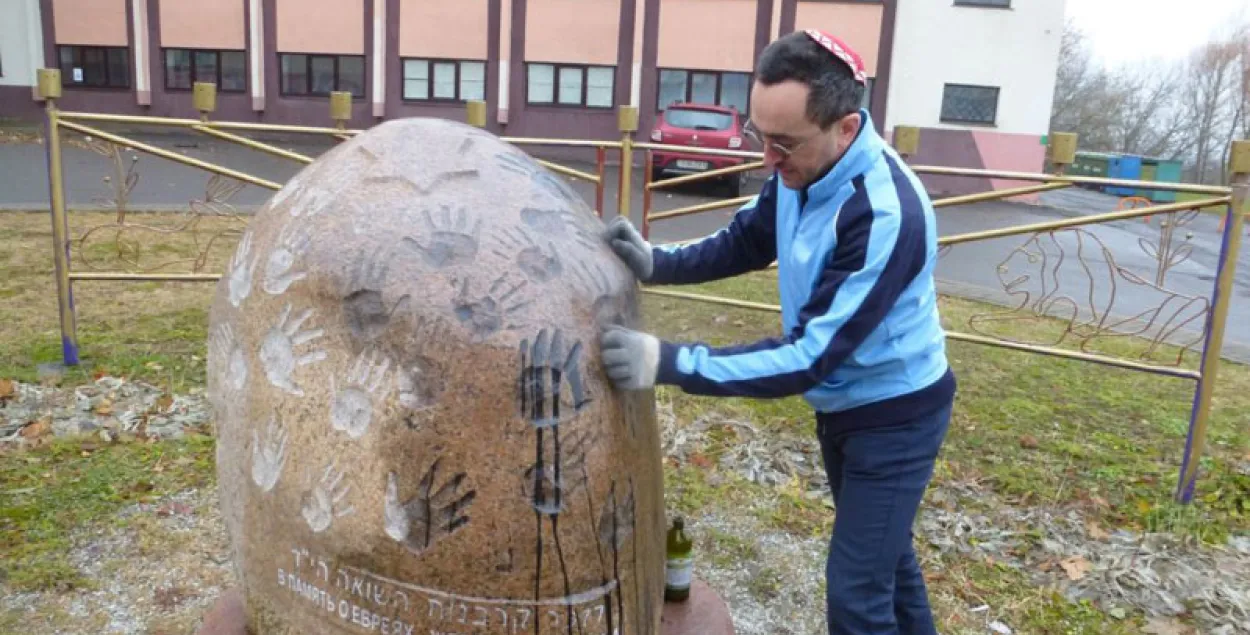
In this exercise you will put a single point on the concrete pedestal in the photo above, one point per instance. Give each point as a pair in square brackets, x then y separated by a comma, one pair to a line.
[704, 613]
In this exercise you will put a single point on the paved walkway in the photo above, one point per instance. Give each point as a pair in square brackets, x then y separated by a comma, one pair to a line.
[1063, 271]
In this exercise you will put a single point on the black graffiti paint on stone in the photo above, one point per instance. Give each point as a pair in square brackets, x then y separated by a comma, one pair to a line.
[431, 514]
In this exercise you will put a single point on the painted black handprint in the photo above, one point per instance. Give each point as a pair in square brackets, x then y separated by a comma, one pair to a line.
[545, 367]
[539, 263]
[540, 177]
[559, 474]
[484, 315]
[429, 516]
[367, 314]
[452, 241]
[558, 222]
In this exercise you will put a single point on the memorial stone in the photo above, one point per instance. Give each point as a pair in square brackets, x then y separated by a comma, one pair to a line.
[415, 434]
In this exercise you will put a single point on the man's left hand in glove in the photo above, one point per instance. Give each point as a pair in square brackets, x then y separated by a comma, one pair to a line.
[630, 358]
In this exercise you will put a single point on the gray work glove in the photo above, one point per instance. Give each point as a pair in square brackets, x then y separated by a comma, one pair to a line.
[631, 358]
[630, 247]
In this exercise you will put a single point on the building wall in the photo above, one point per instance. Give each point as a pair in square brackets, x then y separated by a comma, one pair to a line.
[905, 43]
[1013, 49]
[99, 22]
[203, 24]
[858, 24]
[21, 53]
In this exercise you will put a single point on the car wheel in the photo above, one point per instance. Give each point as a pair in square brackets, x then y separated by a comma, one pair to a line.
[736, 184]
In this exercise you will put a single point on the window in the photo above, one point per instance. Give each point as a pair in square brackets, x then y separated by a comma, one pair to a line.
[95, 66]
[570, 85]
[969, 104]
[998, 4]
[308, 74]
[444, 80]
[704, 87]
[226, 69]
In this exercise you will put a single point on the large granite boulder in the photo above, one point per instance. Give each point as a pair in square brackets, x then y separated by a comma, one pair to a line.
[415, 432]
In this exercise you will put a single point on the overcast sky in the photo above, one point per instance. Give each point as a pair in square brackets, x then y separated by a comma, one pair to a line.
[1132, 30]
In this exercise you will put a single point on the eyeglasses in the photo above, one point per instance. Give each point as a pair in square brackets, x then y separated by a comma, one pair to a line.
[754, 134]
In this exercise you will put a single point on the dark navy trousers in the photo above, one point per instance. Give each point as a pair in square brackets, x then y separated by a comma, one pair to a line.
[878, 477]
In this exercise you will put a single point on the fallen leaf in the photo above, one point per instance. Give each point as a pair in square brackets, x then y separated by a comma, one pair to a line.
[104, 408]
[1118, 613]
[1095, 532]
[7, 390]
[1099, 501]
[163, 404]
[1076, 567]
[36, 429]
[1028, 442]
[154, 366]
[700, 460]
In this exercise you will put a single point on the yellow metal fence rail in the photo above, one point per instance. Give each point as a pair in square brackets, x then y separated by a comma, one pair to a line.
[1062, 153]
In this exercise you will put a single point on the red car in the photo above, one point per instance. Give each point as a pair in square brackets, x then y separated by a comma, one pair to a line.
[699, 126]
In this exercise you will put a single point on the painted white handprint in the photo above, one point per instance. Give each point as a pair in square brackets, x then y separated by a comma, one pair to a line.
[268, 455]
[242, 266]
[277, 352]
[226, 349]
[279, 275]
[322, 503]
[352, 410]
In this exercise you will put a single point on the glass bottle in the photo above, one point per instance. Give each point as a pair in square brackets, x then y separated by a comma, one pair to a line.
[680, 564]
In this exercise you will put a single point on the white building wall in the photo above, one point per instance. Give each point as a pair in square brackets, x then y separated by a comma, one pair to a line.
[937, 42]
[21, 42]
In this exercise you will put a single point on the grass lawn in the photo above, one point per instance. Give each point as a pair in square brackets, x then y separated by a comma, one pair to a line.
[1029, 432]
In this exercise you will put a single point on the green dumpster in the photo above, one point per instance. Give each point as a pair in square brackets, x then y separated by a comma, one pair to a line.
[1163, 170]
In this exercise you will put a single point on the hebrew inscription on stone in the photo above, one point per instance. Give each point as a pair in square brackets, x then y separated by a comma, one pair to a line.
[415, 433]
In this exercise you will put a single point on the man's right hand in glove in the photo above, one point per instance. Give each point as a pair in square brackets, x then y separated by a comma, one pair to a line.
[630, 247]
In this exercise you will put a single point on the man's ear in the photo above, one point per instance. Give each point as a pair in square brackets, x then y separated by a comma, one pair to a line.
[848, 126]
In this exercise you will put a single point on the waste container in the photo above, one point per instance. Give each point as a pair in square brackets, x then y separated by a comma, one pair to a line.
[1163, 170]
[1124, 166]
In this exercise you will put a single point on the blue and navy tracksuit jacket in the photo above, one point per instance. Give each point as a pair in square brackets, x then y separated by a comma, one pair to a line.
[855, 252]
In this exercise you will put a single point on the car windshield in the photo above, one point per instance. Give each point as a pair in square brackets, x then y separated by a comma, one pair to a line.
[698, 119]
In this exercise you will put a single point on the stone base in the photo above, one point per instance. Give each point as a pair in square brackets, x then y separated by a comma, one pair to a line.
[704, 613]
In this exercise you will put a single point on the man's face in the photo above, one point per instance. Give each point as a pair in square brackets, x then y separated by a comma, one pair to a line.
[779, 116]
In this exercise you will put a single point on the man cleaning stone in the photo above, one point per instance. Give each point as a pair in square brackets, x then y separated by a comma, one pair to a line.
[854, 236]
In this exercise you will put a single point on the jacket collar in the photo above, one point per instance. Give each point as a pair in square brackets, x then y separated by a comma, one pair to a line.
[858, 158]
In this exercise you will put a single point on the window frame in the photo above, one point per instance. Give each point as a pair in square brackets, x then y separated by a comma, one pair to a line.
[67, 82]
[998, 91]
[584, 69]
[308, 64]
[690, 72]
[458, 99]
[216, 81]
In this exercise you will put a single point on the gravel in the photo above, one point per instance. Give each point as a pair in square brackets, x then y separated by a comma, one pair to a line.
[108, 406]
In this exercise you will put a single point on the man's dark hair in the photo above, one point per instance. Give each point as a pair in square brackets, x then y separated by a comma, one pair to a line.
[834, 93]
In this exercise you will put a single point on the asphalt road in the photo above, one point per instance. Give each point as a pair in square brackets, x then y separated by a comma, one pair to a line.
[1059, 274]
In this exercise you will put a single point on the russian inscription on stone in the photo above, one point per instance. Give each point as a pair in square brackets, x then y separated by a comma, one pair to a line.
[414, 432]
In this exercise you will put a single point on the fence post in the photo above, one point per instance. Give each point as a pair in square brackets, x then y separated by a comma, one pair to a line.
[1062, 151]
[50, 91]
[204, 96]
[475, 113]
[648, 168]
[906, 141]
[1239, 164]
[340, 108]
[627, 121]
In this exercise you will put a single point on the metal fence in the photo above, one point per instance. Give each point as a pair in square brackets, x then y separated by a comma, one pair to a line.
[1209, 313]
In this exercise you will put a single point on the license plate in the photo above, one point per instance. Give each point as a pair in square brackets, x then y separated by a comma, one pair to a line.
[692, 165]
